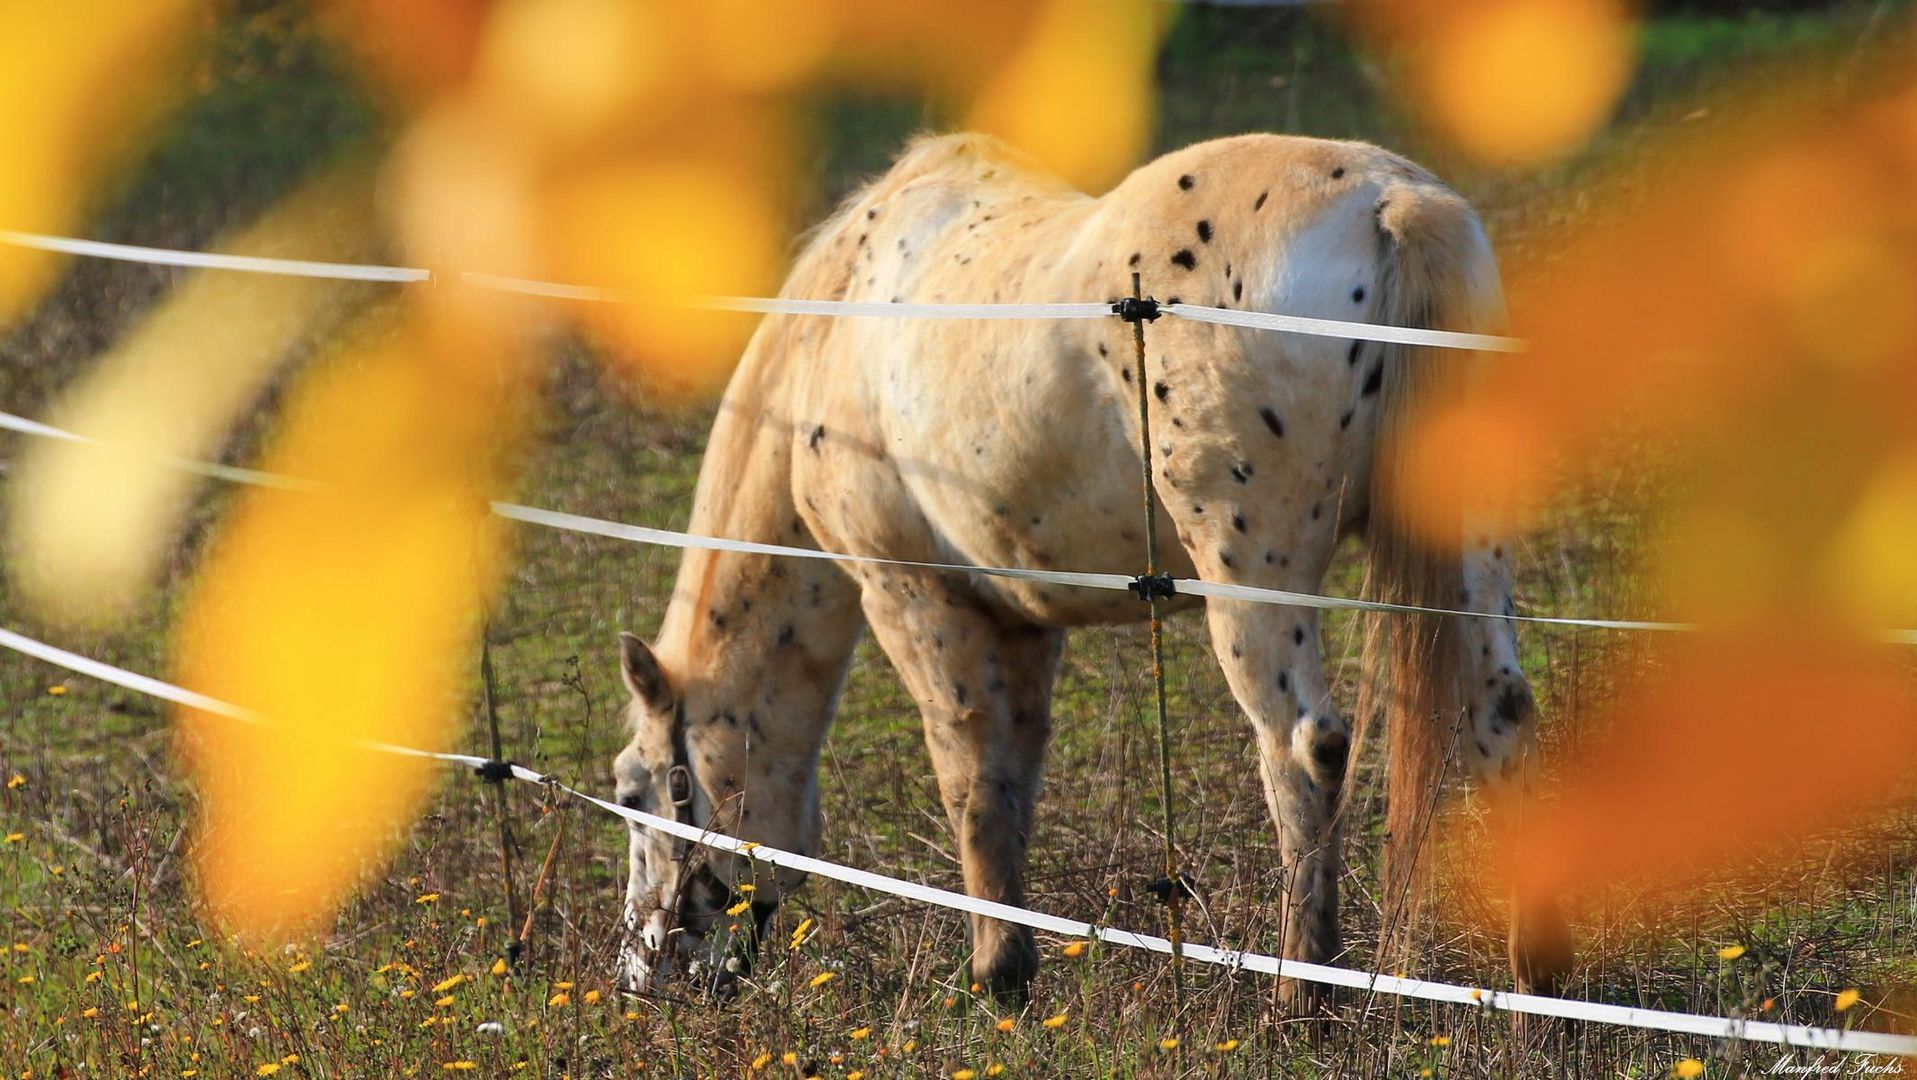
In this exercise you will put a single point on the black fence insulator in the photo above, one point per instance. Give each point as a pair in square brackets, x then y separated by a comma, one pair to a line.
[1167, 889]
[494, 770]
[1153, 586]
[1132, 309]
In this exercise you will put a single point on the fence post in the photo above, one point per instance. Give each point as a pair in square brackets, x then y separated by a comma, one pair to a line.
[1152, 588]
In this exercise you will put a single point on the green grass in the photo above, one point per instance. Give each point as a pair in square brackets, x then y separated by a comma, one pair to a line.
[97, 890]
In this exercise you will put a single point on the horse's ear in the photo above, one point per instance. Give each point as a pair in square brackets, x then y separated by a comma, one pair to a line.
[642, 673]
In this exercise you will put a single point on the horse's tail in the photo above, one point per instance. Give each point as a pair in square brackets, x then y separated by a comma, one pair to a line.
[1437, 272]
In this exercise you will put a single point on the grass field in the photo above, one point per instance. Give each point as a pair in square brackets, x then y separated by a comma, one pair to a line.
[109, 974]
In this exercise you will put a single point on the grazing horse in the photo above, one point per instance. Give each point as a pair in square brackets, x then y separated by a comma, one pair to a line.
[1017, 443]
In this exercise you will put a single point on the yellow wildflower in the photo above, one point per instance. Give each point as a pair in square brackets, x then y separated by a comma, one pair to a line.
[16, 837]
[1056, 1020]
[747, 888]
[593, 996]
[57, 689]
[427, 898]
[267, 1069]
[499, 966]
[1169, 1042]
[342, 1008]
[1007, 1024]
[443, 1002]
[299, 967]
[1687, 1069]
[1225, 1047]
[739, 908]
[16, 781]
[1730, 952]
[994, 1069]
[1074, 949]
[789, 1058]
[560, 999]
[822, 978]
[761, 1061]
[449, 982]
[861, 1033]
[1441, 1040]
[460, 1066]
[799, 935]
[965, 1074]
[1846, 999]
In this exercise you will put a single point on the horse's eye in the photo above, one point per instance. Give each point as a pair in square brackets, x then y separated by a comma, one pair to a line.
[633, 800]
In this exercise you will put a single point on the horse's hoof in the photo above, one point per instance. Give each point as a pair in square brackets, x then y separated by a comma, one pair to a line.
[1541, 949]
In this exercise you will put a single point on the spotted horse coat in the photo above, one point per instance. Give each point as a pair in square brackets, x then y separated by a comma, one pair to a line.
[1016, 443]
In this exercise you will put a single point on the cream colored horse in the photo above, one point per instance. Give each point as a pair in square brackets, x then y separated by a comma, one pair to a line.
[1017, 444]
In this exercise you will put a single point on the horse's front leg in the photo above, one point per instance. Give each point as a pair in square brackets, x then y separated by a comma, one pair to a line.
[984, 691]
[1500, 751]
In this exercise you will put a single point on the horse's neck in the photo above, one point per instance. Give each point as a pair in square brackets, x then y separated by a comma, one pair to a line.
[734, 615]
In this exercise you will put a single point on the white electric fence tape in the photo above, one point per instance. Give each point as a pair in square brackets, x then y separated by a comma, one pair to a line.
[1796, 1035]
[205, 260]
[554, 519]
[1292, 324]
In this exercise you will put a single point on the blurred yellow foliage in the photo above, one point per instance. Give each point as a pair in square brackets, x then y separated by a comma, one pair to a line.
[1511, 82]
[1752, 320]
[80, 79]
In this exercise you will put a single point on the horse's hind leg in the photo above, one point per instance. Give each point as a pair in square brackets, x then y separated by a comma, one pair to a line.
[1499, 745]
[984, 691]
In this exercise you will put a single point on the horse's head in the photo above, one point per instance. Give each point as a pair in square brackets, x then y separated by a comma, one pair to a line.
[688, 761]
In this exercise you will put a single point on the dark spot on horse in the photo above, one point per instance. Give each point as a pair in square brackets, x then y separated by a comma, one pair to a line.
[1204, 232]
[872, 213]
[1270, 558]
[718, 620]
[1133, 261]
[1184, 258]
[1513, 705]
[1225, 559]
[1270, 416]
[1483, 750]
[1102, 351]
[787, 633]
[1173, 300]
[1351, 358]
[1373, 381]
[1259, 204]
[1284, 681]
[1176, 422]
[817, 436]
[1127, 373]
[1236, 652]
[1358, 295]
[1161, 391]
[1196, 509]
[1338, 173]
[1317, 511]
[960, 693]
[1345, 420]
[1330, 752]
[1241, 472]
[1497, 552]
[1237, 290]
[1185, 182]
[1238, 522]
[1298, 635]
